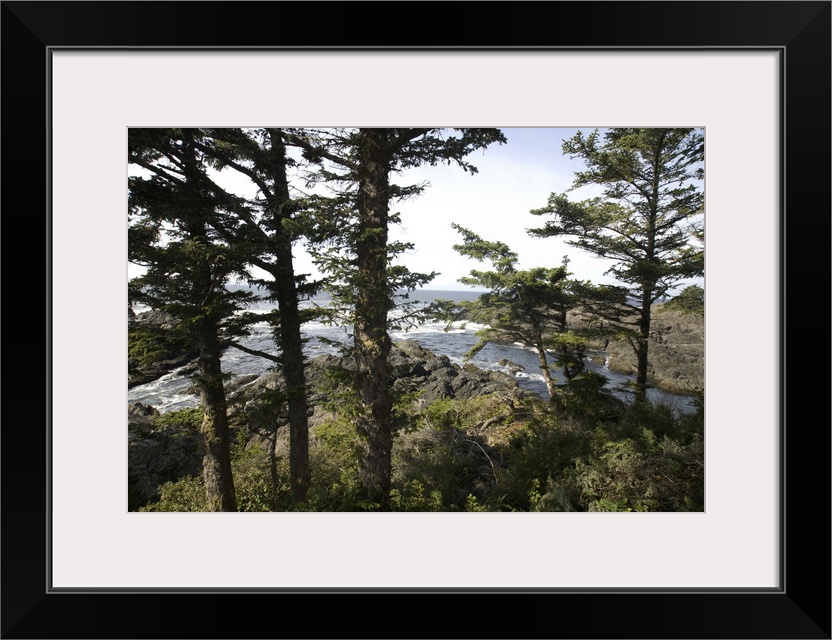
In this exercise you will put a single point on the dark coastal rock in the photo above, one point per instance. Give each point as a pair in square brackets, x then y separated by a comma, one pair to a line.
[239, 382]
[436, 377]
[153, 317]
[140, 417]
[157, 454]
[139, 410]
[412, 366]
[414, 370]
[676, 352]
[513, 367]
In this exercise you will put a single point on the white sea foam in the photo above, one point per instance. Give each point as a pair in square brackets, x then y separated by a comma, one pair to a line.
[537, 377]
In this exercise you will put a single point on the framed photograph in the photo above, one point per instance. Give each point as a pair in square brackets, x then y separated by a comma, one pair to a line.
[754, 76]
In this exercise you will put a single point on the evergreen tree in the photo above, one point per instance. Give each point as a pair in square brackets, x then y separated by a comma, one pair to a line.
[268, 230]
[649, 219]
[358, 164]
[527, 306]
[172, 213]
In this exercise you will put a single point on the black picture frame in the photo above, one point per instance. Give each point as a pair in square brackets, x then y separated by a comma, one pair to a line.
[800, 608]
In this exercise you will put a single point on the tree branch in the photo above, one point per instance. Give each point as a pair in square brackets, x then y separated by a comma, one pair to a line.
[317, 151]
[253, 352]
[256, 179]
[158, 171]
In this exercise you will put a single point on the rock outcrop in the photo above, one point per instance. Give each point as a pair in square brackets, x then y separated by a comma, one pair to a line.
[437, 377]
[413, 367]
[676, 352]
[160, 454]
[157, 454]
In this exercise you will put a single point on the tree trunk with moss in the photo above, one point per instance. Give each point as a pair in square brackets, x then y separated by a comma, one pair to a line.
[371, 340]
[290, 340]
[360, 254]
[187, 268]
[216, 464]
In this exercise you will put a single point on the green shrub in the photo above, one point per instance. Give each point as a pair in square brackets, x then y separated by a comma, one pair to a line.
[256, 486]
[261, 484]
[446, 464]
[473, 505]
[456, 451]
[630, 476]
[414, 497]
[644, 421]
[690, 300]
[333, 460]
[185, 494]
[465, 415]
[148, 345]
[648, 459]
[559, 494]
[542, 451]
[181, 419]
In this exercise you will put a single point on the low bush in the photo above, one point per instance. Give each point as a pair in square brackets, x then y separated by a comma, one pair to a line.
[483, 454]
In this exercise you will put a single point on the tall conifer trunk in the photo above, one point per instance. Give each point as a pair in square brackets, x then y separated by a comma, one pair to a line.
[186, 275]
[291, 345]
[649, 284]
[372, 342]
[642, 344]
[266, 166]
[365, 158]
[216, 464]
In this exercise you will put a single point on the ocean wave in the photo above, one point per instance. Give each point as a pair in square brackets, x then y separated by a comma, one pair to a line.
[537, 377]
[409, 333]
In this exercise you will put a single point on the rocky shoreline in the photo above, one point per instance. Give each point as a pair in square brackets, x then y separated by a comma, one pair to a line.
[677, 353]
[159, 453]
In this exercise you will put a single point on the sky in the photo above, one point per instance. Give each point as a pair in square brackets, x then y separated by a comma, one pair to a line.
[494, 203]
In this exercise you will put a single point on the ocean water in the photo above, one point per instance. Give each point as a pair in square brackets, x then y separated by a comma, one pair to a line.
[169, 392]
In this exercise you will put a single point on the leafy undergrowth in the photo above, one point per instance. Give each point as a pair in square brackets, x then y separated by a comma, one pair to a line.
[491, 453]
